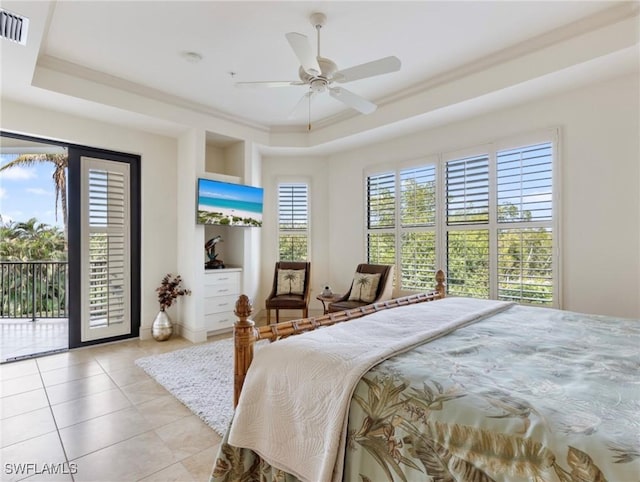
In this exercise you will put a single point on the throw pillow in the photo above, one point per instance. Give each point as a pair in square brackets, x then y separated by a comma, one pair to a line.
[364, 287]
[290, 282]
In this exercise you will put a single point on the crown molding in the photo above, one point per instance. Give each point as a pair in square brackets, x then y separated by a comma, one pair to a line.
[74, 70]
[299, 135]
[611, 16]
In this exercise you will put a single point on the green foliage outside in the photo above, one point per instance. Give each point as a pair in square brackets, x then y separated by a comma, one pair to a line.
[31, 241]
[293, 247]
[34, 270]
[524, 254]
[207, 217]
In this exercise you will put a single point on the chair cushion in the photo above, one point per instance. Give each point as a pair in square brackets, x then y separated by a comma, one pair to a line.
[286, 302]
[364, 287]
[290, 282]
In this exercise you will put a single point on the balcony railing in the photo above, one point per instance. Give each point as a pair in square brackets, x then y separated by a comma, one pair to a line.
[34, 289]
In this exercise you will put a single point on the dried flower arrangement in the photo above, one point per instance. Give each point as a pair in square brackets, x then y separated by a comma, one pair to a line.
[169, 290]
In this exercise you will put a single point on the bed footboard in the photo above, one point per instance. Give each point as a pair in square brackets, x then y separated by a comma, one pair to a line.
[246, 334]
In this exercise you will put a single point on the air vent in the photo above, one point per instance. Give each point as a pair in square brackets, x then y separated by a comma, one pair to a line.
[13, 27]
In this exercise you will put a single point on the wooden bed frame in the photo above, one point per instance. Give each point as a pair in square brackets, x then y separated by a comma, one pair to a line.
[245, 333]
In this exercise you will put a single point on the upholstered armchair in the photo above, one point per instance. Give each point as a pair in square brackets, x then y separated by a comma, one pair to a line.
[367, 287]
[290, 290]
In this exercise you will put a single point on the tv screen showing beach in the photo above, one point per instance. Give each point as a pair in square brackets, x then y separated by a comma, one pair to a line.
[229, 204]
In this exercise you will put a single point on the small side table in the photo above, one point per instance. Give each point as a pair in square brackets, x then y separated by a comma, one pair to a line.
[327, 300]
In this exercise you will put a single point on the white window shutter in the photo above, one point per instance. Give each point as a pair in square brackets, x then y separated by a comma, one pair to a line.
[524, 178]
[106, 248]
[293, 221]
[468, 190]
[490, 224]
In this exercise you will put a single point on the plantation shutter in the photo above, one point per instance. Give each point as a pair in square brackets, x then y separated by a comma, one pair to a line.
[468, 263]
[418, 196]
[525, 273]
[418, 260]
[417, 226]
[381, 213]
[467, 206]
[381, 201]
[486, 215]
[524, 184]
[468, 190]
[293, 221]
[106, 254]
[525, 249]
[381, 248]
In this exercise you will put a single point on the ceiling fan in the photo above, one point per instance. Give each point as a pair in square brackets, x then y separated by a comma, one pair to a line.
[320, 73]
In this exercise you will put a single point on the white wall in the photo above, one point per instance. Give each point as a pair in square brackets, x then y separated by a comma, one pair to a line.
[158, 184]
[252, 237]
[600, 189]
[191, 155]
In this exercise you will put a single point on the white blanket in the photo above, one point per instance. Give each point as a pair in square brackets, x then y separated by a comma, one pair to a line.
[293, 410]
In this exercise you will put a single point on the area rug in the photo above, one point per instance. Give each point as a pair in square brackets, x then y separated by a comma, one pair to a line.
[200, 377]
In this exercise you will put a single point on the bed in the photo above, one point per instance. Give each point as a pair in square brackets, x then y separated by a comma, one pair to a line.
[432, 388]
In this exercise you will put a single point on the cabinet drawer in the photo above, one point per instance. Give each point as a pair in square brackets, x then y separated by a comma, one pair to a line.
[228, 289]
[218, 304]
[224, 278]
[218, 321]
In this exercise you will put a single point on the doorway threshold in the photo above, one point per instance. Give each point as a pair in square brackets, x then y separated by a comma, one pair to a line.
[34, 355]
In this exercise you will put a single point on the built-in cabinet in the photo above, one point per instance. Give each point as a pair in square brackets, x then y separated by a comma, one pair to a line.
[221, 291]
[215, 292]
[224, 162]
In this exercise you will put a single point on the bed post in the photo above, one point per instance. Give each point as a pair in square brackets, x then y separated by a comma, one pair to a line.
[440, 283]
[244, 338]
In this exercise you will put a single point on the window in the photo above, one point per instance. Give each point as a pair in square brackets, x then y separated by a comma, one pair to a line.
[417, 226]
[467, 207]
[525, 215]
[293, 221]
[381, 218]
[486, 218]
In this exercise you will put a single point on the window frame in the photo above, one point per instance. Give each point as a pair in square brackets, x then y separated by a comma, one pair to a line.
[440, 159]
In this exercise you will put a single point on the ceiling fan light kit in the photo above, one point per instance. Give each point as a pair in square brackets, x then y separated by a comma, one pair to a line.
[319, 73]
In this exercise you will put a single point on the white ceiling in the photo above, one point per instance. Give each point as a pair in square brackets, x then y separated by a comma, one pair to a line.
[135, 47]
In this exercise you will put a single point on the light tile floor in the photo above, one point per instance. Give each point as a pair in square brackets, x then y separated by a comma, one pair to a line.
[93, 407]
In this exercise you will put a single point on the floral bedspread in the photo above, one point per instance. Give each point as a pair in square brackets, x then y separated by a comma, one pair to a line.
[530, 394]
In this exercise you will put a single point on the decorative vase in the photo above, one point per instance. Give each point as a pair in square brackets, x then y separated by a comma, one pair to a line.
[162, 329]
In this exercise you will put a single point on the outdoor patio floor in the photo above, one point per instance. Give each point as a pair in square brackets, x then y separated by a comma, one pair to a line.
[21, 338]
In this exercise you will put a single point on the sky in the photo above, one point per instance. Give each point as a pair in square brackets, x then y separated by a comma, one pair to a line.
[231, 191]
[28, 192]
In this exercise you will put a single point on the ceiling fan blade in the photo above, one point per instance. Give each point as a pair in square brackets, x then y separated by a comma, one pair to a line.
[270, 83]
[304, 100]
[369, 69]
[354, 101]
[302, 48]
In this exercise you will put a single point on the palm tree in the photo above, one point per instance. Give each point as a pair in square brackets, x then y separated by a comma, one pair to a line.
[60, 161]
[362, 282]
[290, 277]
[31, 240]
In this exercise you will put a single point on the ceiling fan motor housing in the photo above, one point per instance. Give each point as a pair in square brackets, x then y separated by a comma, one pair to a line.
[328, 68]
[318, 85]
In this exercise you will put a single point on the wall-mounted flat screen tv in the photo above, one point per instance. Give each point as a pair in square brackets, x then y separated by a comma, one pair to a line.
[229, 204]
